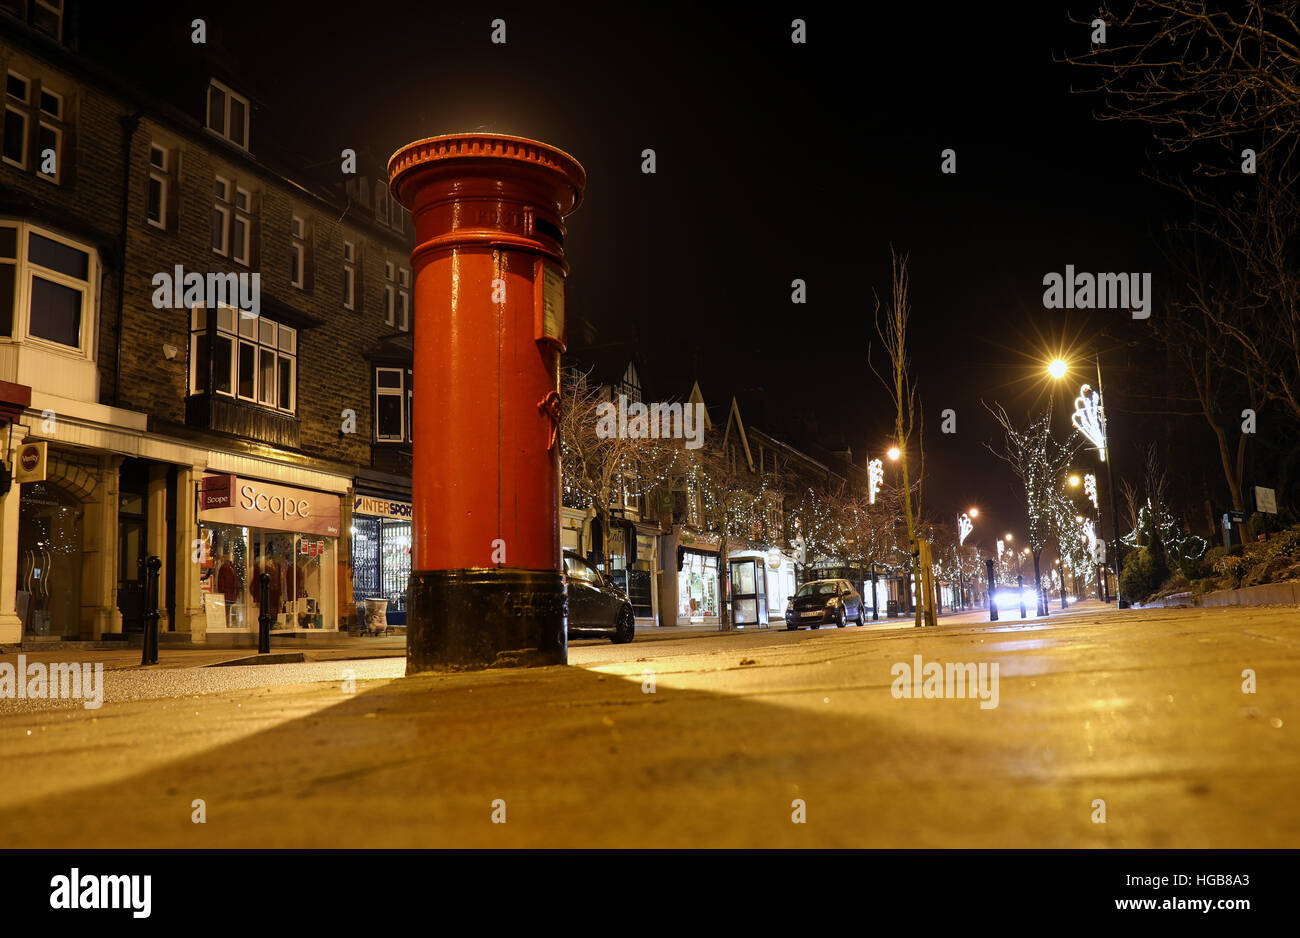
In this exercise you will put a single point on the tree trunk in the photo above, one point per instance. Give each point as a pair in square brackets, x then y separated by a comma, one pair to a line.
[724, 576]
[1038, 584]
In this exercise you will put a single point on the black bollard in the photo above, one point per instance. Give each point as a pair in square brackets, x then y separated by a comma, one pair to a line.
[150, 654]
[875, 606]
[264, 618]
[993, 585]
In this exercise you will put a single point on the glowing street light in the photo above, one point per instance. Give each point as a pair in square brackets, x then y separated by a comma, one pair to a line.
[1057, 369]
[894, 453]
[974, 512]
[1074, 482]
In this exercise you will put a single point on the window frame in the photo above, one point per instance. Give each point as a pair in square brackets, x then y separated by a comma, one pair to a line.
[20, 330]
[390, 293]
[228, 207]
[54, 124]
[349, 275]
[161, 175]
[398, 392]
[23, 112]
[237, 334]
[404, 299]
[228, 94]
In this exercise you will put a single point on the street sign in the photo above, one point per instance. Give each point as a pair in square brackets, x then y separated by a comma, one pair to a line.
[1266, 500]
[1237, 517]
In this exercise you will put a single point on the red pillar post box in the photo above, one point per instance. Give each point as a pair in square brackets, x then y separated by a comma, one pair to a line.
[486, 586]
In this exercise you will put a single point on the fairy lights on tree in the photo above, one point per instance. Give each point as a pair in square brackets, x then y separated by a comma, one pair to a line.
[1040, 462]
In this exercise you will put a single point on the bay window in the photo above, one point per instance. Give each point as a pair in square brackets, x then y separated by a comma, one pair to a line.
[47, 288]
[251, 358]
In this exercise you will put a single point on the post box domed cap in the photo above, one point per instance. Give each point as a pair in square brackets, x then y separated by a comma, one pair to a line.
[480, 146]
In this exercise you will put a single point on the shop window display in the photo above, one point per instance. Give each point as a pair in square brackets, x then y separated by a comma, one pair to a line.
[697, 587]
[299, 565]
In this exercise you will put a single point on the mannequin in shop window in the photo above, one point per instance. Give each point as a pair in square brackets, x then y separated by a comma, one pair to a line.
[227, 578]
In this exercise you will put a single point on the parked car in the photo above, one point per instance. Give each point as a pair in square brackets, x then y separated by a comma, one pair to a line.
[823, 602]
[596, 606]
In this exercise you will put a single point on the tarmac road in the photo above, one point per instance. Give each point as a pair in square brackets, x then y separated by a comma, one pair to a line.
[713, 739]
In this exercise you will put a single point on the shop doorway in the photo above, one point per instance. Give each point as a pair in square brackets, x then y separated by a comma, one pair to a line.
[132, 546]
[49, 562]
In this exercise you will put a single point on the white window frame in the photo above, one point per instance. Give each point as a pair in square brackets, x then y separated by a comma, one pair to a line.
[55, 7]
[47, 120]
[298, 231]
[25, 269]
[349, 275]
[221, 206]
[224, 131]
[230, 212]
[162, 176]
[242, 329]
[399, 392]
[390, 293]
[404, 299]
[21, 112]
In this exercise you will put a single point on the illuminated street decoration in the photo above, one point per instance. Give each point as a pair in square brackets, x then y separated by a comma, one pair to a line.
[1090, 535]
[999, 550]
[964, 527]
[875, 475]
[1090, 488]
[1089, 419]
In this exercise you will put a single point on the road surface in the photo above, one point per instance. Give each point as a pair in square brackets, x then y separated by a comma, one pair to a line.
[1111, 729]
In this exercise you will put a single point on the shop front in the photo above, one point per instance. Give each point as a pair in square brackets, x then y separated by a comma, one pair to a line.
[689, 588]
[381, 554]
[247, 527]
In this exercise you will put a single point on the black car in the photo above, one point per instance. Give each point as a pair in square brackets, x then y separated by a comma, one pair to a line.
[823, 602]
[596, 606]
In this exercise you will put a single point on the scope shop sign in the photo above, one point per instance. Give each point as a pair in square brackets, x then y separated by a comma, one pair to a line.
[225, 499]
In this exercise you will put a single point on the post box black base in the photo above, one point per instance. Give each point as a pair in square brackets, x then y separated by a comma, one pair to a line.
[485, 618]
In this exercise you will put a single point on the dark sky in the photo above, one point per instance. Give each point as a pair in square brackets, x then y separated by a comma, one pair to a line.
[775, 161]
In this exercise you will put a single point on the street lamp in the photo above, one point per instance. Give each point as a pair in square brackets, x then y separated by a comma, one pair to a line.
[893, 453]
[1090, 420]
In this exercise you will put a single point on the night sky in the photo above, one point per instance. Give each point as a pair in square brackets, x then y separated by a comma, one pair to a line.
[775, 161]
